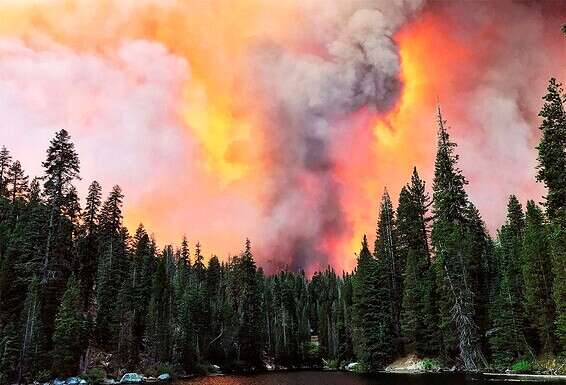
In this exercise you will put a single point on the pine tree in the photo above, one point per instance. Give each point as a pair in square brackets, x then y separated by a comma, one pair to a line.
[511, 240]
[551, 168]
[198, 268]
[537, 276]
[142, 270]
[111, 263]
[30, 344]
[17, 182]
[450, 209]
[481, 261]
[505, 339]
[158, 334]
[214, 307]
[88, 242]
[372, 318]
[8, 352]
[508, 341]
[61, 169]
[249, 334]
[558, 252]
[17, 190]
[390, 271]
[411, 316]
[185, 348]
[363, 297]
[185, 253]
[5, 163]
[418, 314]
[345, 352]
[125, 311]
[67, 338]
[552, 171]
[21, 253]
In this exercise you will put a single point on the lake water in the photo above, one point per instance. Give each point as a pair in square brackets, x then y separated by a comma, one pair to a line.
[339, 378]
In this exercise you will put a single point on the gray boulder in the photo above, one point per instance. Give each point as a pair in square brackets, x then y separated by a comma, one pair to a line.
[73, 381]
[131, 378]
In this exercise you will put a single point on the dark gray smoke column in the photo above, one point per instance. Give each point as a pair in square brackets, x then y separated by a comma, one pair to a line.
[309, 96]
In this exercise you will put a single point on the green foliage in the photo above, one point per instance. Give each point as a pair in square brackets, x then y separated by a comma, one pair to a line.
[372, 318]
[69, 330]
[430, 364]
[94, 375]
[43, 376]
[249, 333]
[8, 352]
[552, 172]
[333, 364]
[507, 338]
[457, 263]
[31, 338]
[551, 168]
[537, 277]
[523, 365]
[419, 313]
[159, 368]
[389, 273]
[558, 252]
[312, 356]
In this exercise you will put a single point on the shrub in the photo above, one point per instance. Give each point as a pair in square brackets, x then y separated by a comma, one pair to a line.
[430, 364]
[43, 376]
[523, 366]
[94, 375]
[312, 354]
[361, 368]
[333, 364]
[159, 368]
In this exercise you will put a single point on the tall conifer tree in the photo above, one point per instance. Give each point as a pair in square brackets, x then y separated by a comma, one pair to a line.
[418, 317]
[537, 276]
[69, 332]
[552, 172]
[5, 163]
[449, 231]
[390, 267]
[371, 331]
[508, 341]
[249, 334]
[111, 263]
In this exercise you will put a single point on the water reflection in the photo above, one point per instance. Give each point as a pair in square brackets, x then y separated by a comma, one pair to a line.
[338, 378]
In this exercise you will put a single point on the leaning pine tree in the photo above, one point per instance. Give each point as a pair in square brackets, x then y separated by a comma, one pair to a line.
[449, 233]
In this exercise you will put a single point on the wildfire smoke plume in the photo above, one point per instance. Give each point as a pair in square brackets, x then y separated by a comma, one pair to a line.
[279, 121]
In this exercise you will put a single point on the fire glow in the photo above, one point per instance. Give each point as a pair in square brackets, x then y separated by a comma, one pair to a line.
[221, 121]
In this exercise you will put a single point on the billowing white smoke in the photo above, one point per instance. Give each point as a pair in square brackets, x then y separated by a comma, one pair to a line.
[500, 98]
[121, 109]
[309, 95]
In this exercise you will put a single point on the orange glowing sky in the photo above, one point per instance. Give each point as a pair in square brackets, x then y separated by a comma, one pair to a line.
[165, 98]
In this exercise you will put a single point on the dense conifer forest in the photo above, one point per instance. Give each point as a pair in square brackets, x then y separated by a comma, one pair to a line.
[79, 293]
